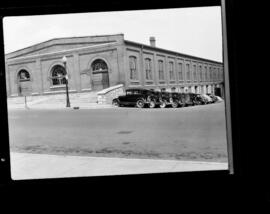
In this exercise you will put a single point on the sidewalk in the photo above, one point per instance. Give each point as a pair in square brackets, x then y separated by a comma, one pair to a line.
[59, 106]
[39, 166]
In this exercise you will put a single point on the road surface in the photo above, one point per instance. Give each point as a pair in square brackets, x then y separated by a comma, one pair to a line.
[190, 133]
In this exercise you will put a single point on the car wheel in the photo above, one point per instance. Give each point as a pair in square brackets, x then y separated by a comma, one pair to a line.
[115, 103]
[162, 105]
[174, 104]
[140, 104]
[152, 104]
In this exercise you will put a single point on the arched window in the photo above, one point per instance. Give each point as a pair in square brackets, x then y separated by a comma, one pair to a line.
[23, 75]
[99, 65]
[58, 75]
[133, 68]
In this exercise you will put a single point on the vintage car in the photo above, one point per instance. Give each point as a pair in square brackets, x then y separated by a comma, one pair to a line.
[201, 100]
[168, 99]
[186, 99]
[207, 98]
[179, 99]
[215, 98]
[137, 97]
[195, 99]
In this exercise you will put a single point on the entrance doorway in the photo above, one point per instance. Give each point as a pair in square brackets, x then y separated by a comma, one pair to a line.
[100, 75]
[218, 92]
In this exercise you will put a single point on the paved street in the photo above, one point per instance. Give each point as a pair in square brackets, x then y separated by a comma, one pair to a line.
[191, 133]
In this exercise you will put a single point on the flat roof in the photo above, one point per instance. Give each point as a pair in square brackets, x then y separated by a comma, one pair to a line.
[170, 51]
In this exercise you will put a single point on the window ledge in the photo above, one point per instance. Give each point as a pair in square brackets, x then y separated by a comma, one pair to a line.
[58, 86]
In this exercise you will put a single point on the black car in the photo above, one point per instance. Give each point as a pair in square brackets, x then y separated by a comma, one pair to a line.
[178, 99]
[213, 97]
[200, 100]
[137, 97]
[188, 99]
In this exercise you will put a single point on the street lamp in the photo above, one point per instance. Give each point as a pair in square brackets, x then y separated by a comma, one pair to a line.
[64, 59]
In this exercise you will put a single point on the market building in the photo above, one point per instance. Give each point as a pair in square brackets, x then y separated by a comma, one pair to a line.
[98, 62]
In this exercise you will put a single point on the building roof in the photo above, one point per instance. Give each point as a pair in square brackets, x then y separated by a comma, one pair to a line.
[94, 39]
[82, 40]
[170, 51]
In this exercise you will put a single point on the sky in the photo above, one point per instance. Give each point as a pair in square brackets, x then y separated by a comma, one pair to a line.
[193, 31]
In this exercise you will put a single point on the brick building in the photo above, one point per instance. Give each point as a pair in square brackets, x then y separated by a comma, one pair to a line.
[98, 62]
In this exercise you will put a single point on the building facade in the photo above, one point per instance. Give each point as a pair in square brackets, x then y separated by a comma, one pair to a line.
[98, 62]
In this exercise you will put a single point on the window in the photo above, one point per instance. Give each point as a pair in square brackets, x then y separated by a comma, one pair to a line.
[99, 65]
[148, 69]
[214, 73]
[194, 73]
[210, 74]
[133, 68]
[171, 71]
[221, 74]
[58, 75]
[180, 71]
[205, 74]
[188, 71]
[200, 71]
[161, 70]
[23, 75]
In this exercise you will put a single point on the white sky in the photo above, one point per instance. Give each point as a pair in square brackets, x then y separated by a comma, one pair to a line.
[194, 31]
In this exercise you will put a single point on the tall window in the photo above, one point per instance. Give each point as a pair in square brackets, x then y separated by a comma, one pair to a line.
[180, 71]
[58, 75]
[214, 73]
[148, 69]
[133, 68]
[161, 70]
[171, 71]
[205, 73]
[23, 76]
[194, 73]
[210, 74]
[221, 74]
[201, 74]
[188, 71]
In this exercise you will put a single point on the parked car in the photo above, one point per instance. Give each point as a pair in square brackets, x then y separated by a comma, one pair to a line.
[200, 100]
[173, 99]
[165, 99]
[207, 98]
[137, 97]
[215, 98]
[187, 99]
[179, 98]
[195, 98]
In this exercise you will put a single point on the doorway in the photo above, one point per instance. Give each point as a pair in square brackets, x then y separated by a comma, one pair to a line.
[100, 75]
